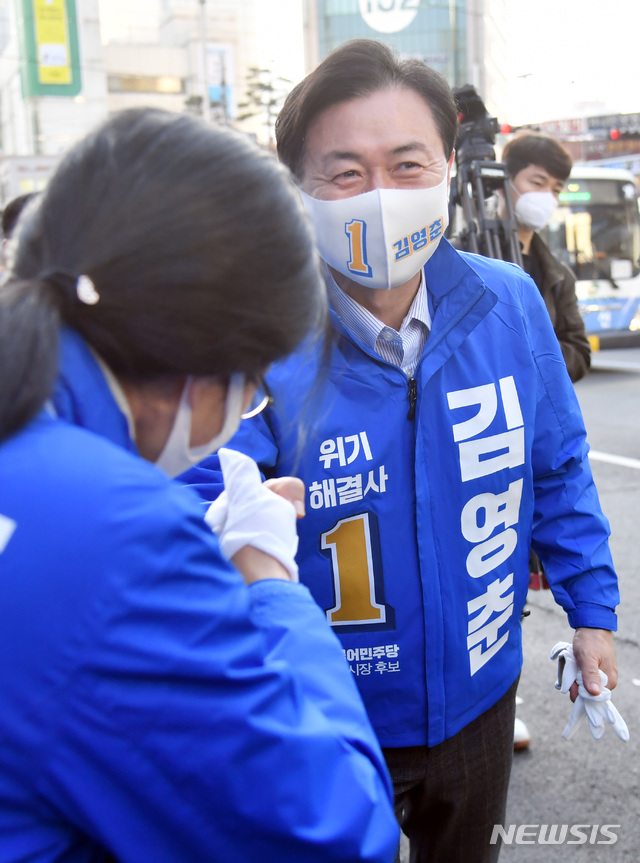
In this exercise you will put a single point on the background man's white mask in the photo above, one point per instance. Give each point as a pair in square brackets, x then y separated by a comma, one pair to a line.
[534, 209]
[382, 238]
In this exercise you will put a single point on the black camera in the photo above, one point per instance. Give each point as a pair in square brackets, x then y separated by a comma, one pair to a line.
[476, 129]
[478, 178]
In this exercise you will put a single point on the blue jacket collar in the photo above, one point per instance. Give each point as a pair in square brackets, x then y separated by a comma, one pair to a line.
[458, 300]
[82, 396]
[449, 270]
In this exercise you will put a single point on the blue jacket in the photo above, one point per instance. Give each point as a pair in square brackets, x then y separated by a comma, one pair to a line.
[423, 496]
[151, 703]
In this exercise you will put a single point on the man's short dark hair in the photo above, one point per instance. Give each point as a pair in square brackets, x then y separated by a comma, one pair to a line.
[354, 69]
[12, 211]
[537, 148]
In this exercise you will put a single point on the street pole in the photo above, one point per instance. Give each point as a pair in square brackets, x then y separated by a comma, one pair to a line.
[223, 88]
[206, 101]
[35, 127]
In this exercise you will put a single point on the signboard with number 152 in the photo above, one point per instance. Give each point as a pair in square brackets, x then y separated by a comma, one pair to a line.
[388, 16]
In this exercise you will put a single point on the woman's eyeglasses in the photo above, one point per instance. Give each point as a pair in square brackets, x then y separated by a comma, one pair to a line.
[262, 399]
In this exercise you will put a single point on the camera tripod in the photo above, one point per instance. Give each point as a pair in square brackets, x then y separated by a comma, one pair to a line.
[477, 179]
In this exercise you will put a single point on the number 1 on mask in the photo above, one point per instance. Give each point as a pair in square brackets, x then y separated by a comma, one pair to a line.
[356, 231]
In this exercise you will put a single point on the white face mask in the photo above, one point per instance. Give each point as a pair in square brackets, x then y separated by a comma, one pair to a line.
[382, 238]
[534, 209]
[178, 455]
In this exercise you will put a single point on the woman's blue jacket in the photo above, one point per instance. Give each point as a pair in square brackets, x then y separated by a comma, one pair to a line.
[150, 703]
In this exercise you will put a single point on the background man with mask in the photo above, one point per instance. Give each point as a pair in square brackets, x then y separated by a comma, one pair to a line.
[538, 166]
[441, 397]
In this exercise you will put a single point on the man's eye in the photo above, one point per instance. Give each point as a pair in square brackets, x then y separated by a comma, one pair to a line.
[346, 175]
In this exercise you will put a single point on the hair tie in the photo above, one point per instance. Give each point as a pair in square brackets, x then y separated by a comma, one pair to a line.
[86, 291]
[82, 286]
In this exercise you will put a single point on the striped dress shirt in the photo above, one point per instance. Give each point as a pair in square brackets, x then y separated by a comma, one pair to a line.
[403, 348]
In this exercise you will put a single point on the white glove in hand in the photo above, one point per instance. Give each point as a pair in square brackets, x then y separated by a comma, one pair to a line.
[249, 513]
[597, 708]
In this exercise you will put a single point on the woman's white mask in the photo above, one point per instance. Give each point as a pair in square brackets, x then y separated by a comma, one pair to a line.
[382, 238]
[178, 455]
[534, 209]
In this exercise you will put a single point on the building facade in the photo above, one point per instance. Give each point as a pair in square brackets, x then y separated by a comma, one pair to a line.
[52, 74]
[65, 65]
[604, 140]
[464, 40]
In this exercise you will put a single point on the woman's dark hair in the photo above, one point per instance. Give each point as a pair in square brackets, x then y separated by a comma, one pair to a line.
[196, 243]
[354, 69]
[537, 148]
[12, 211]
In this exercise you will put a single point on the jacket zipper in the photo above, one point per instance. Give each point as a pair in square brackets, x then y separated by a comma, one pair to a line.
[413, 398]
[413, 385]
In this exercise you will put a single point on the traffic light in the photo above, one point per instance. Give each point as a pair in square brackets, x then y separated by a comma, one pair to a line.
[508, 129]
[624, 134]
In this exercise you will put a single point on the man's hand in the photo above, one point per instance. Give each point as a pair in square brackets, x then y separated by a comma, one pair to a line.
[290, 488]
[594, 703]
[593, 650]
[254, 564]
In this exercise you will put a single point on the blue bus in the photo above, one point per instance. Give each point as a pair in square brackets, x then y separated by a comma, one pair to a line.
[596, 231]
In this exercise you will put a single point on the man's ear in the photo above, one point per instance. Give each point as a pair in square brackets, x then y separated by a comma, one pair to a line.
[450, 165]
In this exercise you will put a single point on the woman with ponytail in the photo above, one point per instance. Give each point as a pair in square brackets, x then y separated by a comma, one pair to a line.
[168, 693]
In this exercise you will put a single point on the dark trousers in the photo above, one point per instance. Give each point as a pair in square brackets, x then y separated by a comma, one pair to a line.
[449, 797]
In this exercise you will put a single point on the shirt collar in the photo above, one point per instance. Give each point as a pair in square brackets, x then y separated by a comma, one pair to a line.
[362, 322]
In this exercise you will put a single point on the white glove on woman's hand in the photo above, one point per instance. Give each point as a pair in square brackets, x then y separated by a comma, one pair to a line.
[249, 513]
[597, 708]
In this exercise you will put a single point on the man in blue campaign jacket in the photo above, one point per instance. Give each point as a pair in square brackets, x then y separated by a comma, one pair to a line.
[423, 513]
[436, 433]
[152, 704]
